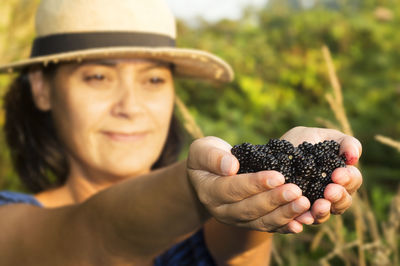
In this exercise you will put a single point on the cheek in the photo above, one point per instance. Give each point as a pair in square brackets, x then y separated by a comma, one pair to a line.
[161, 109]
[75, 118]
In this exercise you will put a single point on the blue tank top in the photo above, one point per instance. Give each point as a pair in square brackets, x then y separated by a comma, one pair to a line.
[190, 252]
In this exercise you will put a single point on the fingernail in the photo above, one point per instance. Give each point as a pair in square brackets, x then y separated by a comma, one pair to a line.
[309, 220]
[226, 164]
[336, 196]
[324, 209]
[289, 195]
[351, 158]
[352, 171]
[297, 228]
[298, 208]
[357, 151]
[344, 179]
[274, 182]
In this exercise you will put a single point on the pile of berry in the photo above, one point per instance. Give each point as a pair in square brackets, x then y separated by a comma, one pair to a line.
[309, 166]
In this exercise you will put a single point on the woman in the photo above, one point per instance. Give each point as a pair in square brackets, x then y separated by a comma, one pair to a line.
[90, 124]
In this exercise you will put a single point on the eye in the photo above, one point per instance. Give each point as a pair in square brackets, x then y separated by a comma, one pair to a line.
[95, 77]
[156, 80]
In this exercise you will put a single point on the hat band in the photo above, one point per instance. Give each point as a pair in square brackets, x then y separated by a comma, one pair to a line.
[62, 43]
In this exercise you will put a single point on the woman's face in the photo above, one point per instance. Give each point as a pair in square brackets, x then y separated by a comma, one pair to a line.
[112, 116]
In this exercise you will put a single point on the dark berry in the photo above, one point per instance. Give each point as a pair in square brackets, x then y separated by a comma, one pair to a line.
[309, 166]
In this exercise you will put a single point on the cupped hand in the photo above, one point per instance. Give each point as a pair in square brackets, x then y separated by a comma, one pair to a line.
[346, 181]
[259, 201]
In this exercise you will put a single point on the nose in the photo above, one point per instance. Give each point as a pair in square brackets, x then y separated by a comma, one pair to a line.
[128, 102]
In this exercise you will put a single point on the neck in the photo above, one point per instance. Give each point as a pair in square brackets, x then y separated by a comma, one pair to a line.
[80, 185]
[76, 190]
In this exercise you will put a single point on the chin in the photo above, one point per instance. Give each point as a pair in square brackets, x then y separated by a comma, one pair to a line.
[126, 170]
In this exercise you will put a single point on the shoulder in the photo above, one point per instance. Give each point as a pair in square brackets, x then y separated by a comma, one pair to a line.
[192, 251]
[10, 197]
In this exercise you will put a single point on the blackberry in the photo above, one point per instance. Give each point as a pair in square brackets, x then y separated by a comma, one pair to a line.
[306, 147]
[275, 145]
[309, 166]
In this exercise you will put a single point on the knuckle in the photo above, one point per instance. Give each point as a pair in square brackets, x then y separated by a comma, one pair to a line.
[337, 211]
[249, 214]
[205, 199]
[233, 191]
[257, 183]
[265, 225]
[288, 214]
[276, 200]
[278, 221]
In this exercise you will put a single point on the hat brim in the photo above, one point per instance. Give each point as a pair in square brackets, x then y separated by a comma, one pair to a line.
[188, 62]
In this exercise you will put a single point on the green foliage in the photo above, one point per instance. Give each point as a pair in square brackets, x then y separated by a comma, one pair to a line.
[281, 77]
[281, 82]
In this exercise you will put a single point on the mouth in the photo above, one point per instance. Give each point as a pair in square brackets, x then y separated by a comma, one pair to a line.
[125, 137]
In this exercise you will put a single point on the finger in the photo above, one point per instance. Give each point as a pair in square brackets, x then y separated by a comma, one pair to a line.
[280, 216]
[342, 205]
[339, 197]
[293, 227]
[351, 148]
[259, 205]
[320, 210]
[350, 178]
[212, 154]
[305, 218]
[231, 189]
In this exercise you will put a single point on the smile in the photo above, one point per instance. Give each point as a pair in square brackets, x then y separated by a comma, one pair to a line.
[125, 137]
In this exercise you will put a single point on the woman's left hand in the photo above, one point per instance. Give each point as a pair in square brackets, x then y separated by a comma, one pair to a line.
[346, 181]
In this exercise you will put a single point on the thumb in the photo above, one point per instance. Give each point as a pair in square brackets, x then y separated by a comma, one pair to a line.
[213, 155]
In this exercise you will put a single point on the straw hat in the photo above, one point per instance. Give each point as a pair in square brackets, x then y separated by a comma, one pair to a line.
[76, 30]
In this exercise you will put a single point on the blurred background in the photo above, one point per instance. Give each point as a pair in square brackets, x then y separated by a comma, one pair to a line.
[285, 78]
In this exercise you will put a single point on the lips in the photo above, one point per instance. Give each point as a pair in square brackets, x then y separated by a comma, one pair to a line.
[125, 137]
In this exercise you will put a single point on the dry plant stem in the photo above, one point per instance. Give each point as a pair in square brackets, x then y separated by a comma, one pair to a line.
[372, 224]
[317, 239]
[326, 123]
[337, 251]
[341, 241]
[366, 246]
[189, 122]
[337, 106]
[325, 230]
[276, 255]
[388, 141]
[360, 227]
[335, 101]
[391, 228]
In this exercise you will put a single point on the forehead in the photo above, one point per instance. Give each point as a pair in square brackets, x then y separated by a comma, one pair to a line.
[139, 64]
[125, 61]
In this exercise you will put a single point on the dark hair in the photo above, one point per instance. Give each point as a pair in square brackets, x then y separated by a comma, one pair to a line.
[36, 152]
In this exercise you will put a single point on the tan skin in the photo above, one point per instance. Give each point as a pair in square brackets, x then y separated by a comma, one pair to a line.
[104, 110]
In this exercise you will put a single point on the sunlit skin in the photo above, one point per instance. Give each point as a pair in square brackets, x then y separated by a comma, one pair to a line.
[262, 201]
[112, 116]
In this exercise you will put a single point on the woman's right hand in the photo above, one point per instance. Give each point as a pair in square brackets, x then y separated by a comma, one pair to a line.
[259, 201]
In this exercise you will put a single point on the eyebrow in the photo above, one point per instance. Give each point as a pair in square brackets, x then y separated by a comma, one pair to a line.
[156, 65]
[102, 62]
[112, 63]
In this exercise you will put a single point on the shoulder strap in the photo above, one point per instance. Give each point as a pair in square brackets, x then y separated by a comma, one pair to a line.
[10, 197]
